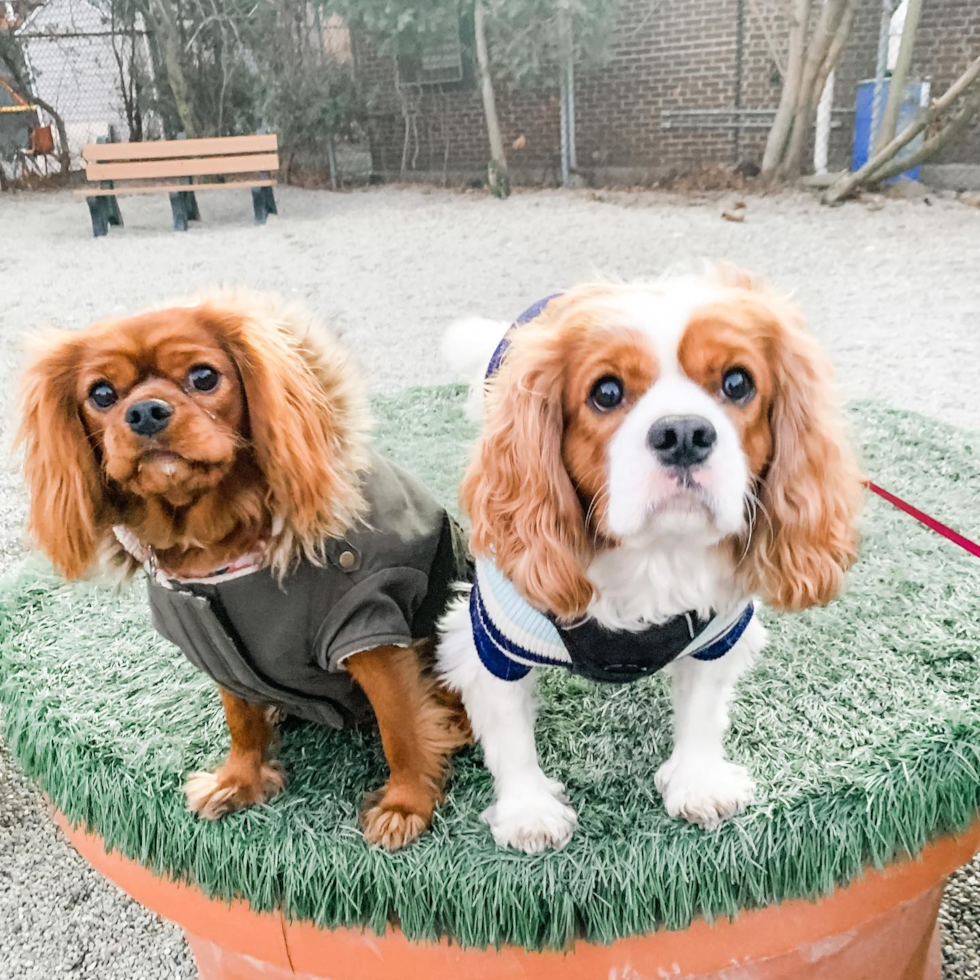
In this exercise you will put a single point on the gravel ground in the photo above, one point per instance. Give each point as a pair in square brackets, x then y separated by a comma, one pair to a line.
[893, 293]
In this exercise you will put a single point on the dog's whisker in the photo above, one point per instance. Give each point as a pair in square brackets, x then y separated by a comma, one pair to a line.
[753, 506]
[597, 500]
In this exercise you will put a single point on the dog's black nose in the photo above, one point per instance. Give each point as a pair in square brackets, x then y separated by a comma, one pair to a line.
[682, 440]
[149, 417]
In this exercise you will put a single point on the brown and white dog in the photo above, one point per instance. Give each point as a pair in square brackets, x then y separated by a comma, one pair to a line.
[650, 450]
[229, 432]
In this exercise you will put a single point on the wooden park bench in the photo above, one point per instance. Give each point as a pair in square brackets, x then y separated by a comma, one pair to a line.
[178, 167]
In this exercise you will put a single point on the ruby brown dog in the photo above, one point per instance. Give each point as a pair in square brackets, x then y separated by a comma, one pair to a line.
[221, 444]
[653, 457]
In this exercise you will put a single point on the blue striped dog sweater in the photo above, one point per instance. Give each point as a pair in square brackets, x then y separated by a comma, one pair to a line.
[511, 636]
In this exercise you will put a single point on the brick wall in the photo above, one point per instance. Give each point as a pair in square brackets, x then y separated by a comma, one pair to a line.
[666, 59]
[445, 125]
[682, 57]
[948, 39]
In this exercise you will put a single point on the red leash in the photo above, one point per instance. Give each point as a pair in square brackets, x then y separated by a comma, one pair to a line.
[930, 522]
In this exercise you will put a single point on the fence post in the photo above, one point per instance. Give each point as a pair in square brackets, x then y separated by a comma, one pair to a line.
[566, 86]
[572, 151]
[332, 162]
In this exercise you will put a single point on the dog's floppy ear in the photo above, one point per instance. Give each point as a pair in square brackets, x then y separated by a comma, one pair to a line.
[806, 535]
[524, 511]
[67, 500]
[305, 415]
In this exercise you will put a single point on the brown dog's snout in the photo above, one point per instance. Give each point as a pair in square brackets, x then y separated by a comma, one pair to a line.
[149, 417]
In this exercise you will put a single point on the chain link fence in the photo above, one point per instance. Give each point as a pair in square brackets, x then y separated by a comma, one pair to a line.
[91, 70]
[105, 80]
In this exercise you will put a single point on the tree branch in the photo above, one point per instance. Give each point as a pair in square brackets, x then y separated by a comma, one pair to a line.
[820, 44]
[896, 86]
[167, 27]
[931, 147]
[851, 182]
[833, 54]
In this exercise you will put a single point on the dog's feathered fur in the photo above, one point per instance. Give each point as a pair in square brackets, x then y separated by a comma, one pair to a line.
[270, 462]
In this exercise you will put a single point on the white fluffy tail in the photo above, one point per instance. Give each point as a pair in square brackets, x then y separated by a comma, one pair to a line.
[469, 343]
[467, 346]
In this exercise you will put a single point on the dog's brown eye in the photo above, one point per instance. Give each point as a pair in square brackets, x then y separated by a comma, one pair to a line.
[606, 393]
[102, 395]
[203, 378]
[737, 386]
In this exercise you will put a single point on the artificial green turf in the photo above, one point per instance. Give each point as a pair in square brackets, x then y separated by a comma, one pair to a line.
[861, 723]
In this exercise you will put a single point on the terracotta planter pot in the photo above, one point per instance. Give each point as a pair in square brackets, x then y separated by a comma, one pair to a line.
[882, 927]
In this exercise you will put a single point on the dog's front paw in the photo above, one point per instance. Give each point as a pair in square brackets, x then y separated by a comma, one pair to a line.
[534, 819]
[393, 817]
[215, 794]
[704, 792]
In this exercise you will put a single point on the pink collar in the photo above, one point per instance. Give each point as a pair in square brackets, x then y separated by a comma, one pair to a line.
[244, 565]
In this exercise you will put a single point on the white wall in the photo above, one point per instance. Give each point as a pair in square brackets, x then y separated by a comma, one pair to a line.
[78, 75]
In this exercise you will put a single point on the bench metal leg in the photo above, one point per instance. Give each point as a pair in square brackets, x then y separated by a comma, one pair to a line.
[180, 212]
[110, 207]
[270, 201]
[259, 205]
[100, 218]
[113, 214]
[190, 206]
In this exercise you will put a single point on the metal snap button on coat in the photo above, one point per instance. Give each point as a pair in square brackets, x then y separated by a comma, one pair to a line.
[346, 559]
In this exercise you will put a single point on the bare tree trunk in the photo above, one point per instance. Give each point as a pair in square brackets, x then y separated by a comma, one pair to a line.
[136, 126]
[778, 135]
[499, 179]
[817, 52]
[833, 55]
[874, 169]
[163, 17]
[896, 87]
[158, 82]
[127, 87]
